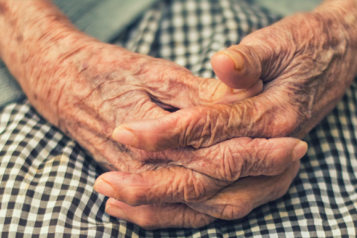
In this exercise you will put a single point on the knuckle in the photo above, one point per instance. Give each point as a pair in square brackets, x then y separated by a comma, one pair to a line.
[286, 125]
[196, 128]
[171, 132]
[289, 109]
[184, 131]
[136, 197]
[265, 161]
[268, 158]
[183, 186]
[231, 167]
[272, 116]
[247, 119]
[262, 157]
[248, 158]
[195, 187]
[207, 125]
[194, 192]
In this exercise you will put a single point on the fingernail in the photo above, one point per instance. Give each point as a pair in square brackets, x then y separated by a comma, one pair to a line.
[238, 91]
[299, 150]
[104, 188]
[107, 208]
[124, 136]
[236, 57]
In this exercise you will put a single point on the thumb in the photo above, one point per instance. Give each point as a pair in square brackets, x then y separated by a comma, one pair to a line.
[258, 56]
[238, 66]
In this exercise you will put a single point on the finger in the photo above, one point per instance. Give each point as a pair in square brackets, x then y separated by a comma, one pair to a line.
[238, 66]
[169, 185]
[207, 125]
[256, 57]
[242, 157]
[273, 113]
[202, 91]
[239, 199]
[179, 184]
[144, 108]
[155, 216]
[264, 116]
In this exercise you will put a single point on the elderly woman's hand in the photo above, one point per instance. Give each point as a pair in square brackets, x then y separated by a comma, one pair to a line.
[307, 61]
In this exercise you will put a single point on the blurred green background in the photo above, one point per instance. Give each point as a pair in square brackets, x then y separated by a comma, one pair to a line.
[288, 7]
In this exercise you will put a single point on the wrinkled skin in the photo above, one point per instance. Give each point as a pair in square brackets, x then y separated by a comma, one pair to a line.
[118, 89]
[87, 88]
[113, 86]
[307, 61]
[110, 86]
[232, 202]
[100, 86]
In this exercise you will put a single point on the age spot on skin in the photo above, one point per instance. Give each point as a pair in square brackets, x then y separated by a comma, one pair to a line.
[123, 148]
[3, 9]
[19, 39]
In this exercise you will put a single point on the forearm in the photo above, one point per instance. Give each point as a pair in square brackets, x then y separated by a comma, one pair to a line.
[343, 14]
[35, 37]
[27, 29]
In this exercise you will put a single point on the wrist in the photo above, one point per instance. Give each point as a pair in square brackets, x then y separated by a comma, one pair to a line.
[36, 40]
[341, 16]
[33, 31]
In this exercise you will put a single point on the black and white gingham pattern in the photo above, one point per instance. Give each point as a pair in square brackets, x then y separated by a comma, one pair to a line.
[46, 178]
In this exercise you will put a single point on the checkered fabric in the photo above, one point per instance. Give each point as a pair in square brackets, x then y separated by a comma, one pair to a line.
[46, 178]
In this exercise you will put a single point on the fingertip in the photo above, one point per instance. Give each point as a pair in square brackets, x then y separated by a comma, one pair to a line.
[130, 188]
[155, 216]
[103, 187]
[238, 66]
[117, 209]
[226, 66]
[107, 207]
[299, 150]
[222, 63]
[232, 69]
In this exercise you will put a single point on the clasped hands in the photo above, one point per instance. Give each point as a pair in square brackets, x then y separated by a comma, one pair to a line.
[201, 161]
[184, 150]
